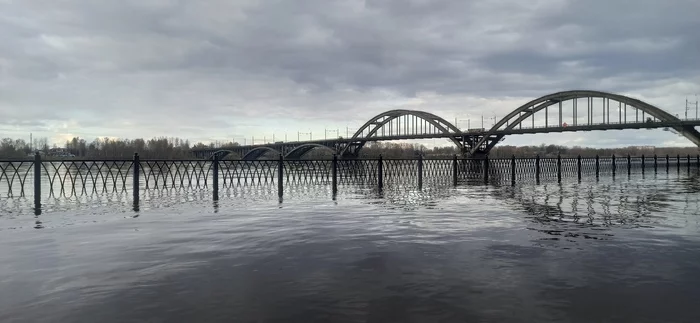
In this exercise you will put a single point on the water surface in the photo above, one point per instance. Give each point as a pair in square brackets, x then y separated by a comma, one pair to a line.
[623, 250]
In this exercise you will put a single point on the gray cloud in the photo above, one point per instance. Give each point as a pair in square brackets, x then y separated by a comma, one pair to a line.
[145, 68]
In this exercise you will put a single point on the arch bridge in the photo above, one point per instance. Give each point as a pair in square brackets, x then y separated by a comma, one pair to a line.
[568, 111]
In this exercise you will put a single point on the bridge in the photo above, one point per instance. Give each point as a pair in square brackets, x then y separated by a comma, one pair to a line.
[566, 111]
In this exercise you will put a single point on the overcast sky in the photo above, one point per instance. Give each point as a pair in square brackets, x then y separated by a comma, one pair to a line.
[220, 69]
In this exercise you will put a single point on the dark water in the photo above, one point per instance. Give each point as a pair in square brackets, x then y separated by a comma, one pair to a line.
[626, 250]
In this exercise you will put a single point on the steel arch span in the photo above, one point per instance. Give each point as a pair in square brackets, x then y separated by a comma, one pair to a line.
[528, 110]
[399, 123]
[304, 149]
[258, 152]
[221, 153]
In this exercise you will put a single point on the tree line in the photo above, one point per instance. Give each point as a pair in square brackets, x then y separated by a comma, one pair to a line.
[174, 148]
[162, 147]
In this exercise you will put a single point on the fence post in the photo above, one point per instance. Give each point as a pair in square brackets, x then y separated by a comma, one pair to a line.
[559, 168]
[656, 164]
[454, 170]
[380, 173]
[537, 169]
[334, 172]
[629, 164]
[678, 162]
[420, 172]
[512, 170]
[486, 169]
[578, 167]
[697, 161]
[137, 166]
[37, 183]
[280, 179]
[215, 176]
[643, 164]
[668, 161]
[688, 162]
[597, 166]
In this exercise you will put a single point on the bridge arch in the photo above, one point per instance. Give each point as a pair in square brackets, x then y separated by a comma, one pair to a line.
[257, 152]
[433, 123]
[302, 150]
[527, 110]
[221, 153]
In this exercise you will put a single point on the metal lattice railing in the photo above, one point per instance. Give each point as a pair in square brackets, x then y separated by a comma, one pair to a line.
[80, 178]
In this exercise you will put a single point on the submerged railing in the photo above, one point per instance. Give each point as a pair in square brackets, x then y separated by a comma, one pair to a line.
[71, 178]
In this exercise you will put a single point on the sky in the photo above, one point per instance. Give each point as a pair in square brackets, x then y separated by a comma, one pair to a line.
[233, 70]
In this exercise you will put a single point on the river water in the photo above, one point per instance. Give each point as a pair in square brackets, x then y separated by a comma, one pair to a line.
[622, 250]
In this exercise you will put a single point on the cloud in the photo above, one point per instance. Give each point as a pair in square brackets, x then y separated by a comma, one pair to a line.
[217, 69]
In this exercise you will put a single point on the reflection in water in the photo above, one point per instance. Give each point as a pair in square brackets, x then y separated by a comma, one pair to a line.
[575, 252]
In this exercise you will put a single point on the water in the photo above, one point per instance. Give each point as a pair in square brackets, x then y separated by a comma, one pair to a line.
[623, 250]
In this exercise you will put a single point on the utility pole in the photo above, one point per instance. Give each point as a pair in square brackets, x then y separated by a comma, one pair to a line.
[689, 105]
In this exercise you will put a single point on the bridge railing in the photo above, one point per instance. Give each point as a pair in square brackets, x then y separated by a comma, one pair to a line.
[130, 179]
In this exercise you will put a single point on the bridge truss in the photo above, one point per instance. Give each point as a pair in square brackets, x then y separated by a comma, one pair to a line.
[580, 110]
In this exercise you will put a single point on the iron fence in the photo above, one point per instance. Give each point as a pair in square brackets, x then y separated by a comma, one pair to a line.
[77, 178]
